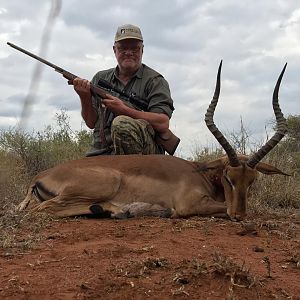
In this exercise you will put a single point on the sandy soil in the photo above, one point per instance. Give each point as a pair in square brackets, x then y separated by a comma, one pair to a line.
[151, 258]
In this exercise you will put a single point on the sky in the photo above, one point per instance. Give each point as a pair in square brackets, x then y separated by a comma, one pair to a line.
[184, 41]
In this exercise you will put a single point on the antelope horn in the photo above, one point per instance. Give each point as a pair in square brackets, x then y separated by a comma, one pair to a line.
[233, 159]
[281, 127]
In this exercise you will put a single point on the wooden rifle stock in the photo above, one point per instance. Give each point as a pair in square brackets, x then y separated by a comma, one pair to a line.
[170, 143]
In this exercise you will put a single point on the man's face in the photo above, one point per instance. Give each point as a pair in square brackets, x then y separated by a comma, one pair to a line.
[129, 54]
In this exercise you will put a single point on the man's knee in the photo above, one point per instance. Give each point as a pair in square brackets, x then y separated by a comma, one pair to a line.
[122, 124]
[126, 135]
[133, 136]
[125, 125]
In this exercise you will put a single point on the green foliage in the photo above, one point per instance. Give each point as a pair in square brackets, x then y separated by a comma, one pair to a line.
[282, 192]
[44, 149]
[23, 154]
[287, 153]
[293, 135]
[205, 154]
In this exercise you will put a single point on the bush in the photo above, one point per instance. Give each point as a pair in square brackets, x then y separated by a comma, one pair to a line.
[280, 192]
[23, 155]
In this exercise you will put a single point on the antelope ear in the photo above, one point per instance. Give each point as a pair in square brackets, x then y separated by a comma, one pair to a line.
[212, 165]
[269, 169]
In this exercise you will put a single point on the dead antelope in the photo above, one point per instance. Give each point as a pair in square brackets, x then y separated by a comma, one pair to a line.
[185, 188]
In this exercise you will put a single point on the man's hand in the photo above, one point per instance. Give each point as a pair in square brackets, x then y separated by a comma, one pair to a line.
[82, 87]
[117, 106]
[159, 121]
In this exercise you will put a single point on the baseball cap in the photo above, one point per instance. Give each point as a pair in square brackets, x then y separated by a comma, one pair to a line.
[128, 31]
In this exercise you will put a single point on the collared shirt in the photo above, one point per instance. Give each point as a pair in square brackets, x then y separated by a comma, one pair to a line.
[146, 84]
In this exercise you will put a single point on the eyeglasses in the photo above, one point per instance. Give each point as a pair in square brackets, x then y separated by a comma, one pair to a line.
[131, 49]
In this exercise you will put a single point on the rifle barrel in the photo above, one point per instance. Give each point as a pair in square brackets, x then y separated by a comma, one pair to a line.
[57, 68]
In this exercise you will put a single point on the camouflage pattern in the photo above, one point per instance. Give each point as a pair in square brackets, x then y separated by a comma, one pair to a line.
[133, 136]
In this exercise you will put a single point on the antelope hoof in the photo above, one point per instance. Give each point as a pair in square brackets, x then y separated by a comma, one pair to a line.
[99, 212]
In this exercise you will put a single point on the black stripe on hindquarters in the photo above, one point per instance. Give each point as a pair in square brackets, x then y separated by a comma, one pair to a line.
[39, 186]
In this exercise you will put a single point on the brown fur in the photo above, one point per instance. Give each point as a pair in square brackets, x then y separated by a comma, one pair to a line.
[187, 188]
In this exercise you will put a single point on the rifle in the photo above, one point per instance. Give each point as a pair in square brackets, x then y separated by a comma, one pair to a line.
[169, 143]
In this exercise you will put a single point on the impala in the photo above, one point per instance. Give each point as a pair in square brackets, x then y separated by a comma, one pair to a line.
[184, 188]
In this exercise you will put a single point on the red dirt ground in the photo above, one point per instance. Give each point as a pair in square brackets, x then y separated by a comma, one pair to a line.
[151, 258]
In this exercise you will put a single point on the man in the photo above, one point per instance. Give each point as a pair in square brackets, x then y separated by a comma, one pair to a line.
[127, 129]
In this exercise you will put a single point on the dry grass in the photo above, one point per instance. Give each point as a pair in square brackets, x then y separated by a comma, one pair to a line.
[21, 231]
[136, 269]
[13, 184]
[188, 272]
[239, 274]
[294, 256]
[277, 194]
[13, 181]
[23, 155]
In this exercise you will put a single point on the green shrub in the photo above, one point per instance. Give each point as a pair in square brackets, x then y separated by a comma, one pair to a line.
[281, 192]
[24, 154]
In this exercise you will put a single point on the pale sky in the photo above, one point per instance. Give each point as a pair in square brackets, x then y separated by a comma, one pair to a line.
[184, 41]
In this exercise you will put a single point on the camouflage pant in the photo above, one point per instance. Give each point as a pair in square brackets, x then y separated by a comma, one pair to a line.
[133, 136]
